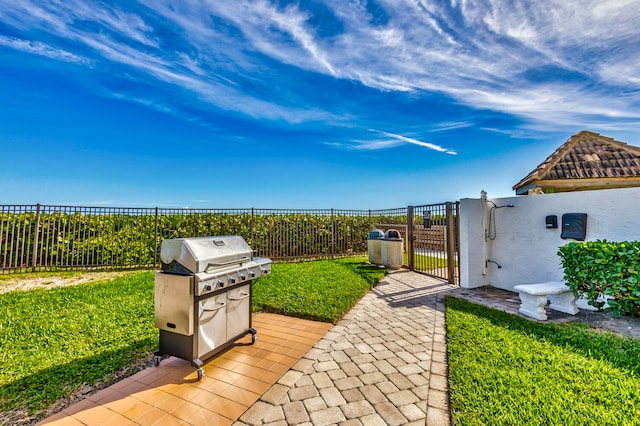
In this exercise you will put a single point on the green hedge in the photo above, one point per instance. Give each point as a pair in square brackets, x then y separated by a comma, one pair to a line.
[600, 268]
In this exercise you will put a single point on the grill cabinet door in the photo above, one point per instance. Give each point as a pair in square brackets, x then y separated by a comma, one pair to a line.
[212, 323]
[173, 303]
[238, 311]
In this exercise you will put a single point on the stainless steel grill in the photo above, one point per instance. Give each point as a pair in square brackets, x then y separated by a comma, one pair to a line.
[203, 294]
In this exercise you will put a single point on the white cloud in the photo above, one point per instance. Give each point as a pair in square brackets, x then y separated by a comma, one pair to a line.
[390, 140]
[415, 142]
[42, 49]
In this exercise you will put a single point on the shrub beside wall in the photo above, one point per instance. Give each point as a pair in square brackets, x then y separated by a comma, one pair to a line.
[601, 268]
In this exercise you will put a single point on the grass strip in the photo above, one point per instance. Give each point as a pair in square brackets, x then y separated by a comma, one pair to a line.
[507, 370]
[53, 341]
[322, 290]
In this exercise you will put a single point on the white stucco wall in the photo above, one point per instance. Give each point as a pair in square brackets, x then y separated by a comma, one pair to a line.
[524, 247]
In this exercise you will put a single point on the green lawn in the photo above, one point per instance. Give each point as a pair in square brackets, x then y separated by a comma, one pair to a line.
[54, 340]
[425, 261]
[507, 370]
[322, 290]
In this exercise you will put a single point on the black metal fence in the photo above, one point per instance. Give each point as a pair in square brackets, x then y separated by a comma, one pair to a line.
[44, 237]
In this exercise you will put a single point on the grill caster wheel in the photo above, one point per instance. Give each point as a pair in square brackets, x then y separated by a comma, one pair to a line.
[156, 360]
[200, 373]
[253, 339]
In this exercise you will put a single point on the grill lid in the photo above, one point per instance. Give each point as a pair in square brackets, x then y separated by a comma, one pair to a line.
[203, 254]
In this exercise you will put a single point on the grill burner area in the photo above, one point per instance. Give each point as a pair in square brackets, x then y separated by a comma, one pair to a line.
[202, 296]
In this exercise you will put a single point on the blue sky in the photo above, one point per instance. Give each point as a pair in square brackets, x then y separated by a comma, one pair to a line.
[303, 104]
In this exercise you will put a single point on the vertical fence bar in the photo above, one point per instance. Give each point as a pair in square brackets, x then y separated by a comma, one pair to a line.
[333, 235]
[36, 235]
[155, 241]
[410, 238]
[252, 225]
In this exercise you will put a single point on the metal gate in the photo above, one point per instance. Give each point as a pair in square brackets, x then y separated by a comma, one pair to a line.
[433, 240]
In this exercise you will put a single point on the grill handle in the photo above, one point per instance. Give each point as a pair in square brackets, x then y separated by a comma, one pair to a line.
[242, 295]
[238, 260]
[220, 305]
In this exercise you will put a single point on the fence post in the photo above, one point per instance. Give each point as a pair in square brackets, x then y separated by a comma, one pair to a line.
[410, 238]
[252, 218]
[451, 244]
[36, 235]
[155, 242]
[333, 235]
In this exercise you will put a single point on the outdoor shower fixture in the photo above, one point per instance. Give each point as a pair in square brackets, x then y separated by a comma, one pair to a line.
[486, 263]
[490, 233]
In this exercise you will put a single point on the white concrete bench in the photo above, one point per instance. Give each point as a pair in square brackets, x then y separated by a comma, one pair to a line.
[534, 299]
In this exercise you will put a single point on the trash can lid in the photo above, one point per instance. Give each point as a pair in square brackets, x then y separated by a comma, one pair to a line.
[393, 235]
[376, 234]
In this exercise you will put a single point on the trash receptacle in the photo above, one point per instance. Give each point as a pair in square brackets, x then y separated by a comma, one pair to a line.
[373, 246]
[391, 249]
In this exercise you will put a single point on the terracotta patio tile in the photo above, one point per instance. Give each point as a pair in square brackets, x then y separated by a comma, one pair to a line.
[106, 395]
[137, 410]
[229, 376]
[61, 419]
[232, 410]
[169, 420]
[187, 392]
[170, 404]
[295, 353]
[205, 417]
[288, 360]
[95, 415]
[275, 357]
[203, 397]
[121, 405]
[271, 377]
[262, 354]
[218, 387]
[116, 420]
[227, 364]
[253, 385]
[237, 357]
[264, 364]
[249, 371]
[168, 388]
[279, 368]
[185, 410]
[80, 406]
[243, 396]
[150, 417]
[133, 387]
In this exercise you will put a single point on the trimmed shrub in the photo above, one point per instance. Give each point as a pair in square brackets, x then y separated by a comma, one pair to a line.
[600, 269]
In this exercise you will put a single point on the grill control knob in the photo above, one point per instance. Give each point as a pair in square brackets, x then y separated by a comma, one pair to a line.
[243, 277]
[253, 275]
[233, 280]
[208, 287]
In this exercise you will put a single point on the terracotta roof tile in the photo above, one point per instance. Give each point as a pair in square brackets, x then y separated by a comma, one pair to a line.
[587, 155]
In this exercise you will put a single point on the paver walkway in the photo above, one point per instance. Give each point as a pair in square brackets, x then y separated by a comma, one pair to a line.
[383, 364]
